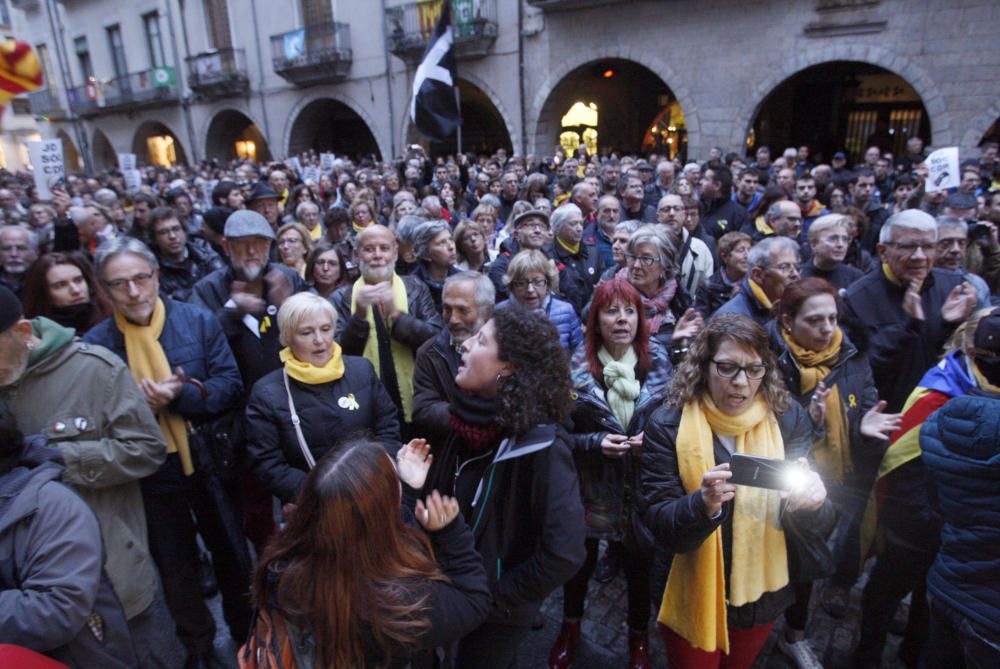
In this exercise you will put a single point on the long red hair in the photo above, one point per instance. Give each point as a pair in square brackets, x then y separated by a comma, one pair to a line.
[346, 564]
[606, 294]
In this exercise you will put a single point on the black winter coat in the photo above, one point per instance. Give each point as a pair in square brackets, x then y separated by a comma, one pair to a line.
[680, 522]
[177, 279]
[578, 273]
[326, 416]
[434, 387]
[523, 502]
[712, 294]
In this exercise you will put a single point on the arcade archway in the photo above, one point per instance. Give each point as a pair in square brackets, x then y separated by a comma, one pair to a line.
[840, 106]
[233, 134]
[330, 125]
[103, 153]
[156, 144]
[71, 155]
[484, 129]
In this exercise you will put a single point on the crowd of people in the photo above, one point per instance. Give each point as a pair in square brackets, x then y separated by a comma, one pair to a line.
[387, 412]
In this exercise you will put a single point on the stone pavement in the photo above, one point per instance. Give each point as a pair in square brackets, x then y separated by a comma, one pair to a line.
[604, 642]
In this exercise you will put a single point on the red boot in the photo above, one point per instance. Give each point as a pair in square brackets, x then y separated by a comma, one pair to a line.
[564, 649]
[638, 642]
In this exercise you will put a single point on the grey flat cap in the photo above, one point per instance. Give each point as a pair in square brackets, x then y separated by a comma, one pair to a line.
[247, 223]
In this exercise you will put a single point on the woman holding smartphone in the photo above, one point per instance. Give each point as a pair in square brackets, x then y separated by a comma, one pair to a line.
[729, 578]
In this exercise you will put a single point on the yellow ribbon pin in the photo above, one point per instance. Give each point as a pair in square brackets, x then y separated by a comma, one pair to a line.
[265, 324]
[852, 401]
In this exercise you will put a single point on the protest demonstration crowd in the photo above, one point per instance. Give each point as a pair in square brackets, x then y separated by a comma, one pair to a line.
[386, 409]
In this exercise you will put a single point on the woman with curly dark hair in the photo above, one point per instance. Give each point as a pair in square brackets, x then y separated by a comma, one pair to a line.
[729, 578]
[509, 465]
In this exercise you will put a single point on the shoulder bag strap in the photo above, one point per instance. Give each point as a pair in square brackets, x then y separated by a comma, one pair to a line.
[306, 453]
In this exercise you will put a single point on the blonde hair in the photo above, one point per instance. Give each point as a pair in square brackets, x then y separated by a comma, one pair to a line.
[528, 261]
[824, 223]
[299, 306]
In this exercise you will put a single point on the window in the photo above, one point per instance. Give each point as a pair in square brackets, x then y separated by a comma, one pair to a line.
[83, 57]
[316, 11]
[217, 18]
[154, 40]
[117, 51]
[43, 57]
[4, 14]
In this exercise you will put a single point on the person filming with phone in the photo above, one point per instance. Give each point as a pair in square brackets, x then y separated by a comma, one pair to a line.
[729, 579]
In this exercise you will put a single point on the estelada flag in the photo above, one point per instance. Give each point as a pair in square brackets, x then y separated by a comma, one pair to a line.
[434, 105]
[20, 71]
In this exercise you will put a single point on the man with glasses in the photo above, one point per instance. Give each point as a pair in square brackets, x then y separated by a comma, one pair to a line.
[902, 314]
[829, 241]
[774, 263]
[18, 249]
[693, 255]
[952, 245]
[183, 260]
[531, 231]
[178, 355]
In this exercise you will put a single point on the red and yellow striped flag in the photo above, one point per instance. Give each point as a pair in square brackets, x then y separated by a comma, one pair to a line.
[20, 70]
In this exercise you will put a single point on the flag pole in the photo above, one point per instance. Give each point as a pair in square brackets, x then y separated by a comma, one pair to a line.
[458, 104]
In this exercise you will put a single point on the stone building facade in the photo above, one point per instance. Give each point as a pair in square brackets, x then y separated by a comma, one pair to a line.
[336, 74]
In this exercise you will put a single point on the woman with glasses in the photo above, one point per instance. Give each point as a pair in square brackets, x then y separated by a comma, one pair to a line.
[327, 269]
[471, 247]
[826, 374]
[650, 266]
[532, 280]
[294, 245]
[729, 577]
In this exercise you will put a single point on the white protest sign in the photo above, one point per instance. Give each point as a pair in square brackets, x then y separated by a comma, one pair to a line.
[942, 170]
[133, 180]
[296, 164]
[311, 174]
[326, 162]
[126, 161]
[47, 162]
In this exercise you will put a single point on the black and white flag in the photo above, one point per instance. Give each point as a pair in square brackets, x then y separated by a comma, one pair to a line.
[434, 106]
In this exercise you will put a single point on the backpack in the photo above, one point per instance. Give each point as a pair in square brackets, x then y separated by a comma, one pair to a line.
[268, 646]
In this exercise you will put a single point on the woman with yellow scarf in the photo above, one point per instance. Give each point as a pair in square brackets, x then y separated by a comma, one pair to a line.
[827, 374]
[299, 412]
[729, 578]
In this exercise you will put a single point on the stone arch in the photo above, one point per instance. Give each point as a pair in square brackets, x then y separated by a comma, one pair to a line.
[149, 129]
[225, 127]
[407, 131]
[636, 55]
[980, 125]
[72, 159]
[349, 103]
[899, 65]
[103, 152]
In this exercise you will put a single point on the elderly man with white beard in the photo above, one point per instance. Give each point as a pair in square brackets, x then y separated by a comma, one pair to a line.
[385, 317]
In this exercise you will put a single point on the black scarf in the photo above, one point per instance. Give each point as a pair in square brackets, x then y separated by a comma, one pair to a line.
[474, 419]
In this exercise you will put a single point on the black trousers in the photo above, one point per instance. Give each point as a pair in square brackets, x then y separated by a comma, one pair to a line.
[491, 646]
[898, 570]
[171, 518]
[636, 568]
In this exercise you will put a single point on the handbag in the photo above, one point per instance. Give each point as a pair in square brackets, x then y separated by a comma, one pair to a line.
[306, 453]
[268, 646]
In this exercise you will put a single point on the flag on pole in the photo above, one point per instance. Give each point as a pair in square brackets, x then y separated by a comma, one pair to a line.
[434, 105]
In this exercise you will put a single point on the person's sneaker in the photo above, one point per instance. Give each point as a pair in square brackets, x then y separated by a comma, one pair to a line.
[834, 600]
[801, 652]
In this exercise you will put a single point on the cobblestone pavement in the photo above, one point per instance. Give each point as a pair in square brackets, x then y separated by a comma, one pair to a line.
[604, 642]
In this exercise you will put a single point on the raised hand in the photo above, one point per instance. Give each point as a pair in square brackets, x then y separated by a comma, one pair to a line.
[413, 461]
[689, 325]
[809, 495]
[878, 425]
[436, 512]
[817, 406]
[913, 306]
[716, 489]
[961, 301]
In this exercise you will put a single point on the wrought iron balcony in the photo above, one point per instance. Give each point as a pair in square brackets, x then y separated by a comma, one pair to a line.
[411, 25]
[566, 5]
[218, 73]
[46, 102]
[137, 90]
[316, 54]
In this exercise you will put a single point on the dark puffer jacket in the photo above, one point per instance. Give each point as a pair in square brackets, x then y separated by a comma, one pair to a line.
[680, 522]
[177, 279]
[327, 415]
[961, 454]
[53, 589]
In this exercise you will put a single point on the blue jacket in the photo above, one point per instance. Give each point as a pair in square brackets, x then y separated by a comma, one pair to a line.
[961, 454]
[746, 303]
[564, 317]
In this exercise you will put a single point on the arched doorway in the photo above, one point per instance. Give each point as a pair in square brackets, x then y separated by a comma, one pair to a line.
[71, 155]
[991, 135]
[104, 154]
[635, 111]
[156, 144]
[330, 125]
[840, 106]
[484, 129]
[233, 135]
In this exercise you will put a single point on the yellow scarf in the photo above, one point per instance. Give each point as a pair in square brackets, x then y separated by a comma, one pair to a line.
[694, 602]
[834, 454]
[309, 373]
[146, 360]
[761, 224]
[316, 232]
[889, 274]
[358, 228]
[574, 249]
[759, 293]
[402, 356]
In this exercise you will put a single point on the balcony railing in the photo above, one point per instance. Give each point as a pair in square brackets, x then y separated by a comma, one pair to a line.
[411, 25]
[566, 5]
[218, 73]
[46, 102]
[316, 54]
[137, 90]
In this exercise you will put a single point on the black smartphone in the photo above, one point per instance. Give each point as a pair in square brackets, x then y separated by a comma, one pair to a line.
[759, 472]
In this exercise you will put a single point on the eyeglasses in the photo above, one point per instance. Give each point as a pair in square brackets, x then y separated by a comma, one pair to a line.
[948, 243]
[522, 284]
[123, 285]
[533, 225]
[671, 207]
[729, 370]
[644, 261]
[327, 263]
[909, 248]
[786, 267]
[169, 232]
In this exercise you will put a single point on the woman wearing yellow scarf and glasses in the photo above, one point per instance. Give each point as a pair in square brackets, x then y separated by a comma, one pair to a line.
[729, 578]
[826, 373]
